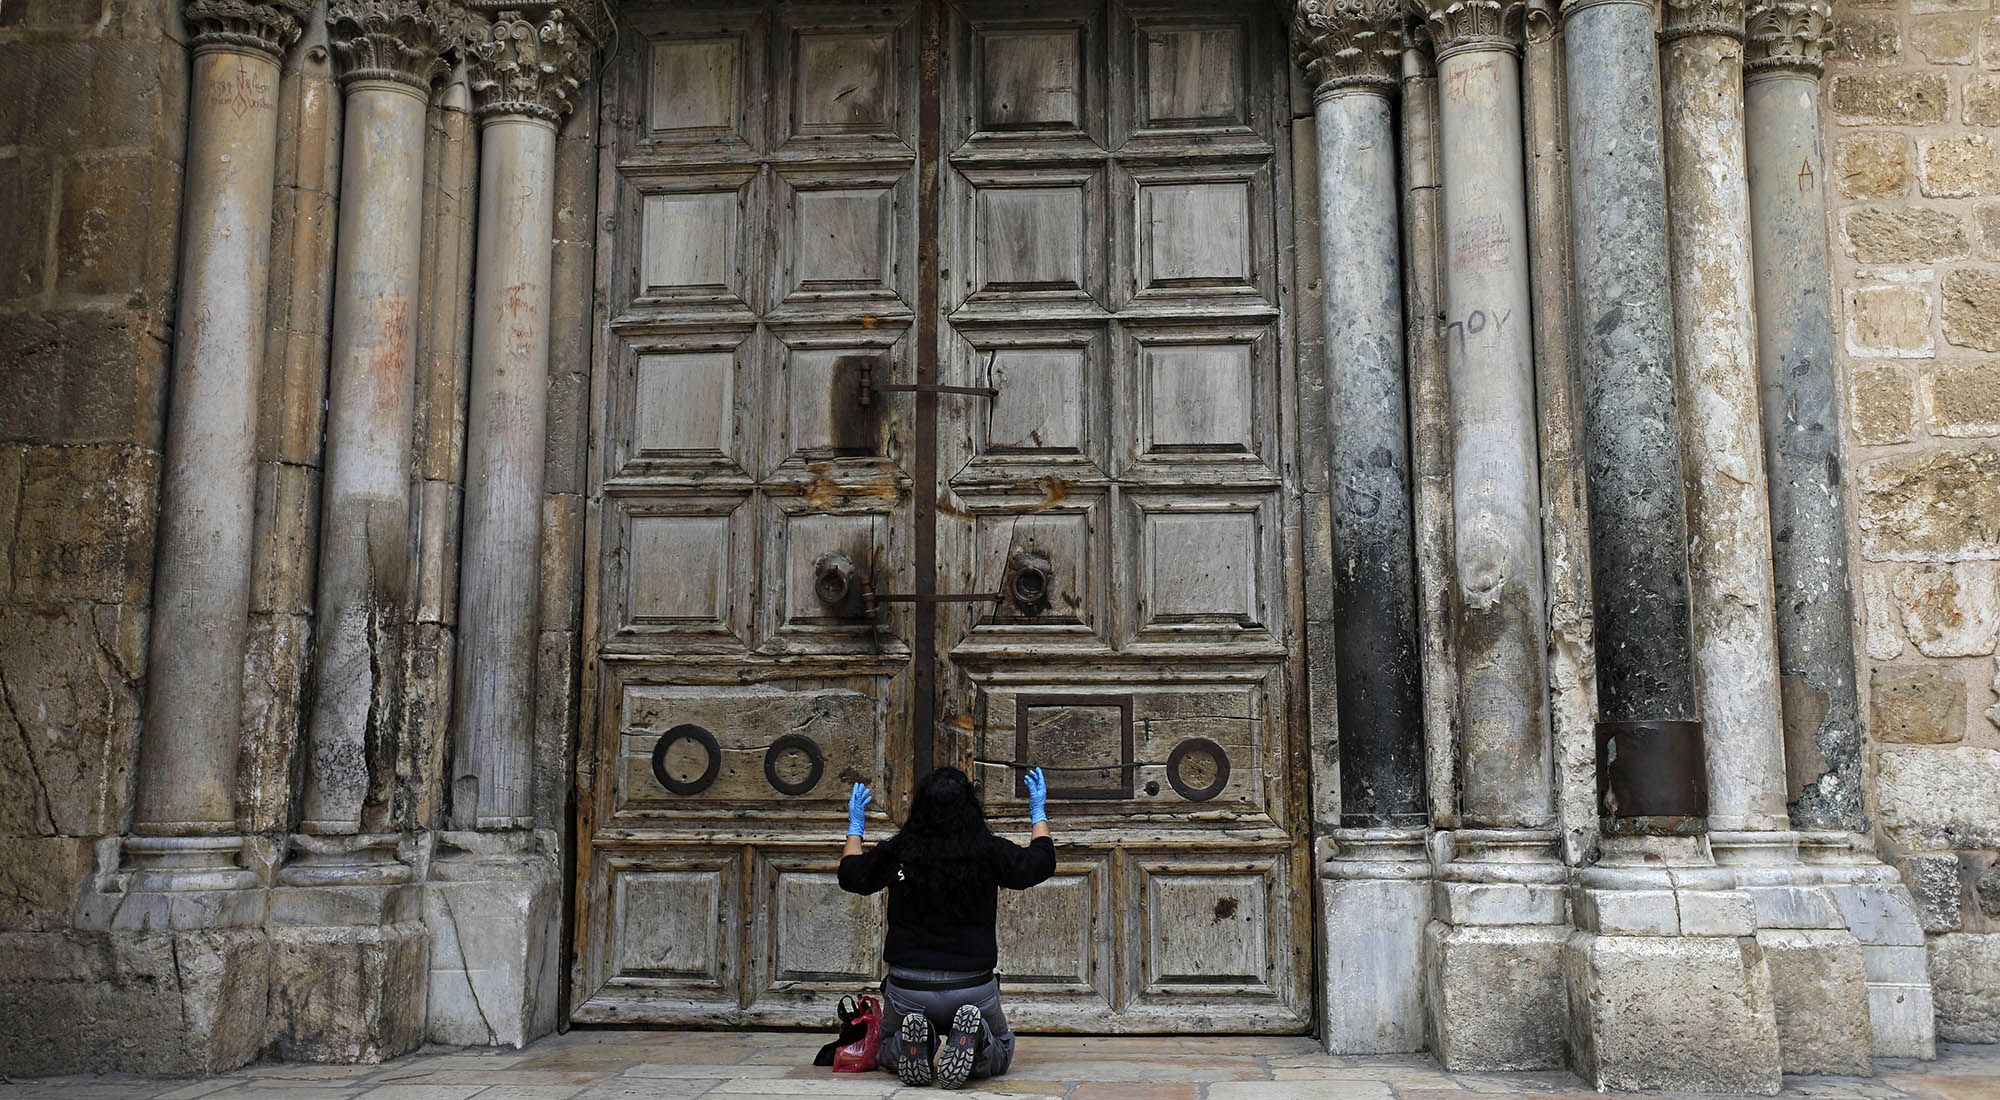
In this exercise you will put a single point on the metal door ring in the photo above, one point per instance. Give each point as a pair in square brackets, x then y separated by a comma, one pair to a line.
[1198, 747]
[694, 733]
[794, 742]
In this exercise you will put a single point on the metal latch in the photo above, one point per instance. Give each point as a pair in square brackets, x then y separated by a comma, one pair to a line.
[849, 594]
[869, 387]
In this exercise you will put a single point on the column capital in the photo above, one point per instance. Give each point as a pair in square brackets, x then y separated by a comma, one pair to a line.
[1349, 45]
[1459, 26]
[1683, 18]
[1787, 36]
[399, 40]
[261, 26]
[527, 62]
[1571, 7]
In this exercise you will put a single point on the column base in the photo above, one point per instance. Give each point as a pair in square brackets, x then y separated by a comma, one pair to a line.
[349, 952]
[493, 912]
[1375, 902]
[1668, 987]
[1877, 908]
[177, 883]
[1818, 979]
[1493, 955]
[166, 972]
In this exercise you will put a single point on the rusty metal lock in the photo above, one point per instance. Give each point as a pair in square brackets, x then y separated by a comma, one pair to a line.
[840, 586]
[1030, 579]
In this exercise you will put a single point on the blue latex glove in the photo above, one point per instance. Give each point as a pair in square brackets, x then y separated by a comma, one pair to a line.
[1038, 797]
[857, 808]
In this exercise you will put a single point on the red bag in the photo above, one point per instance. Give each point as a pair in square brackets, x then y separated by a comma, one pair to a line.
[859, 1055]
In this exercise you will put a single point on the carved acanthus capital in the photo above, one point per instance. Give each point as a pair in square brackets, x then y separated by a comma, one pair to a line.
[1682, 18]
[399, 40]
[265, 26]
[526, 65]
[1787, 36]
[1457, 26]
[1349, 44]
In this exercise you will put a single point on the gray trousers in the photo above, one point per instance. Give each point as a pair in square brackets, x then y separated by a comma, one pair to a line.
[996, 1045]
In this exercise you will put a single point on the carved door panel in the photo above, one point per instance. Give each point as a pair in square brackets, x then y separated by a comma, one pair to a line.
[1112, 270]
[758, 203]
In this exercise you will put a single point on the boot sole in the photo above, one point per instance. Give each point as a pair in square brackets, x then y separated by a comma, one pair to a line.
[961, 1048]
[913, 1053]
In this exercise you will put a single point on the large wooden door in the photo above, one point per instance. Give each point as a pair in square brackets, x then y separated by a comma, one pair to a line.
[1075, 205]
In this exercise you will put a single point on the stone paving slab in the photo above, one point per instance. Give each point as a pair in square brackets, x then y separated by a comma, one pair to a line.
[682, 1065]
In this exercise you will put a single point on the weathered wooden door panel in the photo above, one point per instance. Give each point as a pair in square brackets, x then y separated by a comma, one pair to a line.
[1108, 261]
[1113, 175]
[759, 176]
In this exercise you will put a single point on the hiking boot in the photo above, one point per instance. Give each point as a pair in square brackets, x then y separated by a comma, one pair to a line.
[961, 1047]
[913, 1050]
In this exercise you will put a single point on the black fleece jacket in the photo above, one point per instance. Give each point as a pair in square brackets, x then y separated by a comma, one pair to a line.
[919, 937]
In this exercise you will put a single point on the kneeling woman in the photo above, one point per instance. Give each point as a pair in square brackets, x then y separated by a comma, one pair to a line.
[944, 871]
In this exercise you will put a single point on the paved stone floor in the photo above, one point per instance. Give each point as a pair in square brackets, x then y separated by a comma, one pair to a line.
[653, 1065]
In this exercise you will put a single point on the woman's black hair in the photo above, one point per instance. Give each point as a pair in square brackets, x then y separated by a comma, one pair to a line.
[942, 850]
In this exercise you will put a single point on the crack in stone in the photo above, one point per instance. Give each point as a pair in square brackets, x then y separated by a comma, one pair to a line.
[180, 989]
[48, 805]
[492, 1037]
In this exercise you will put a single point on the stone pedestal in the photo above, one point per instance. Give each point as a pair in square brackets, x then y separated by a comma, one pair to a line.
[1877, 908]
[1668, 986]
[1493, 953]
[166, 973]
[349, 953]
[186, 1002]
[1375, 902]
[493, 911]
[1818, 981]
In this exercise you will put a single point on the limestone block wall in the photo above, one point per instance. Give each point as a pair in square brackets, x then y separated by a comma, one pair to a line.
[92, 127]
[1913, 125]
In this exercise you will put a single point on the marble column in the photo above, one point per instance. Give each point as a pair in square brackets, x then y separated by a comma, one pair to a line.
[388, 53]
[1653, 903]
[1651, 767]
[1374, 899]
[1787, 175]
[1823, 744]
[347, 943]
[185, 883]
[1352, 60]
[523, 77]
[1729, 570]
[1499, 897]
[1572, 666]
[184, 818]
[494, 901]
[1817, 973]
[1430, 427]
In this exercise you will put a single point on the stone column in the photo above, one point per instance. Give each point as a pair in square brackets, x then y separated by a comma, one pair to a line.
[523, 76]
[1572, 667]
[186, 864]
[1499, 901]
[1824, 750]
[388, 53]
[1818, 981]
[1654, 904]
[185, 885]
[1374, 898]
[493, 906]
[1430, 428]
[347, 945]
[201, 602]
